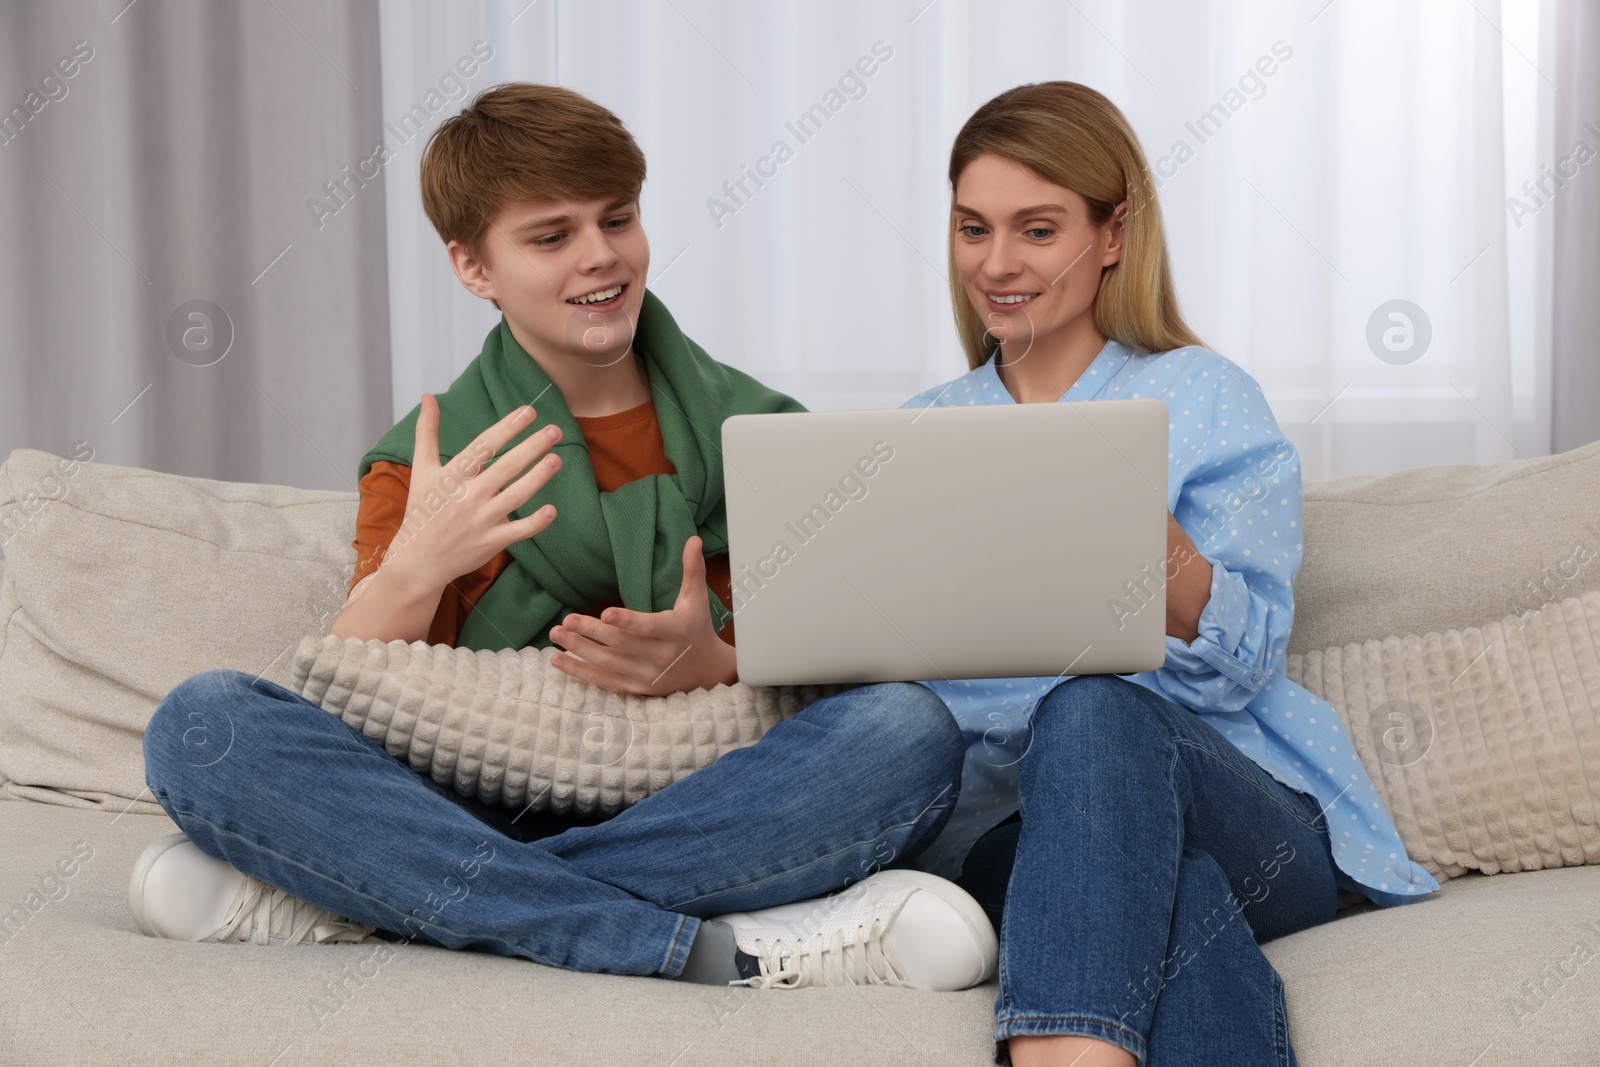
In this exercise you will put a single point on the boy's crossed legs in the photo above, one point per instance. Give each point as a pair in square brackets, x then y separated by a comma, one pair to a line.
[290, 794]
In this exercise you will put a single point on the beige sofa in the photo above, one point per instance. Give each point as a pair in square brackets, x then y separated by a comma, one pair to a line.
[119, 583]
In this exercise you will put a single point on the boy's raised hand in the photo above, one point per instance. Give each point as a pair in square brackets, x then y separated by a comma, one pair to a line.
[456, 513]
[650, 653]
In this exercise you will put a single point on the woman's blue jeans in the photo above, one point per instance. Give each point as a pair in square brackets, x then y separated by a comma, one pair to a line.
[264, 779]
[1150, 858]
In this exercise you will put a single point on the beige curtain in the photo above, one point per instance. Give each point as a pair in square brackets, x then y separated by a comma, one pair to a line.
[170, 295]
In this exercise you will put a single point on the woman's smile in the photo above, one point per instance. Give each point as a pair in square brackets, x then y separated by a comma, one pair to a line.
[1004, 301]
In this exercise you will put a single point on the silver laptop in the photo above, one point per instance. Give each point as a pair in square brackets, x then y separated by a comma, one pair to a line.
[995, 541]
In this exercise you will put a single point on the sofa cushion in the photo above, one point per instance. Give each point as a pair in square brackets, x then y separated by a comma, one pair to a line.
[120, 583]
[1491, 970]
[1444, 547]
[505, 727]
[83, 986]
[1482, 742]
[1487, 964]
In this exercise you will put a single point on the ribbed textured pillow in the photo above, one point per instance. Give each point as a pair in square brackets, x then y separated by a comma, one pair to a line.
[507, 728]
[1482, 742]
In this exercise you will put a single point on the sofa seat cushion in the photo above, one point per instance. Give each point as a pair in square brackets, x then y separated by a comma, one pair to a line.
[83, 986]
[1493, 969]
[1431, 984]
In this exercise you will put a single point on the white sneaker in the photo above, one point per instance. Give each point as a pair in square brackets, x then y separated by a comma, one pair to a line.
[178, 892]
[898, 928]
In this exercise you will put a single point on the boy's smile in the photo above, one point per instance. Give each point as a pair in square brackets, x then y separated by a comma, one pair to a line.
[606, 299]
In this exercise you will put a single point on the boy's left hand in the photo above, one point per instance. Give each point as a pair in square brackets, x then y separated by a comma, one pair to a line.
[650, 653]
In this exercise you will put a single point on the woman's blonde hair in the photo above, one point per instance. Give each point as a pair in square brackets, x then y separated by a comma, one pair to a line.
[1072, 136]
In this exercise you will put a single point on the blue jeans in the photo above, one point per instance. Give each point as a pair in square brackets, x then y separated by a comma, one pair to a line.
[1144, 837]
[264, 779]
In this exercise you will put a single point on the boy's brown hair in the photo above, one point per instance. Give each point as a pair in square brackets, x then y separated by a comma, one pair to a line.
[521, 141]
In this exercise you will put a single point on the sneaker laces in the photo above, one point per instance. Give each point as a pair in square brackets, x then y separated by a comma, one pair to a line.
[263, 914]
[822, 961]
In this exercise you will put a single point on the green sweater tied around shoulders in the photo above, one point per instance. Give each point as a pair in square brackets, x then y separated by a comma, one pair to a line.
[624, 545]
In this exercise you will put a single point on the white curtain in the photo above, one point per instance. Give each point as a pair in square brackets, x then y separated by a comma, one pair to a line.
[1318, 162]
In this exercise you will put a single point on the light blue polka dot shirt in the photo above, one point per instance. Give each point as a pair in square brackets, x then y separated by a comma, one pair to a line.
[1234, 487]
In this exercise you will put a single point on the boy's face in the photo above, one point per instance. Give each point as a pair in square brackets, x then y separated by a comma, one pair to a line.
[544, 262]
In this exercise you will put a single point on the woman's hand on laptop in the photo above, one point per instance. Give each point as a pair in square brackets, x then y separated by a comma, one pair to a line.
[457, 513]
[650, 653]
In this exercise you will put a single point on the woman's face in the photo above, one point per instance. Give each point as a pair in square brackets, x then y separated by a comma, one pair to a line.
[1027, 255]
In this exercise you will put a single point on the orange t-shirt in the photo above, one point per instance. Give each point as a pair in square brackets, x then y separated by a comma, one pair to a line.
[623, 447]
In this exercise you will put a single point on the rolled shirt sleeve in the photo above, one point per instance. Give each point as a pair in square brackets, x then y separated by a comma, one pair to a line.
[1224, 667]
[1240, 504]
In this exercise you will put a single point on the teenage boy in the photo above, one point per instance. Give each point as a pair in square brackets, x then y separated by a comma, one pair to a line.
[601, 528]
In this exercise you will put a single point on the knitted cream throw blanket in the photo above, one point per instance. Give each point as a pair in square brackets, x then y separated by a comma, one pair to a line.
[505, 727]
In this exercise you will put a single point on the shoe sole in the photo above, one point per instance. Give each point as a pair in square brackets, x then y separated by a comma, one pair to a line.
[141, 871]
[966, 906]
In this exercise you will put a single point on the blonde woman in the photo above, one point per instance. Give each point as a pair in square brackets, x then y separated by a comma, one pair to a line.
[1133, 838]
